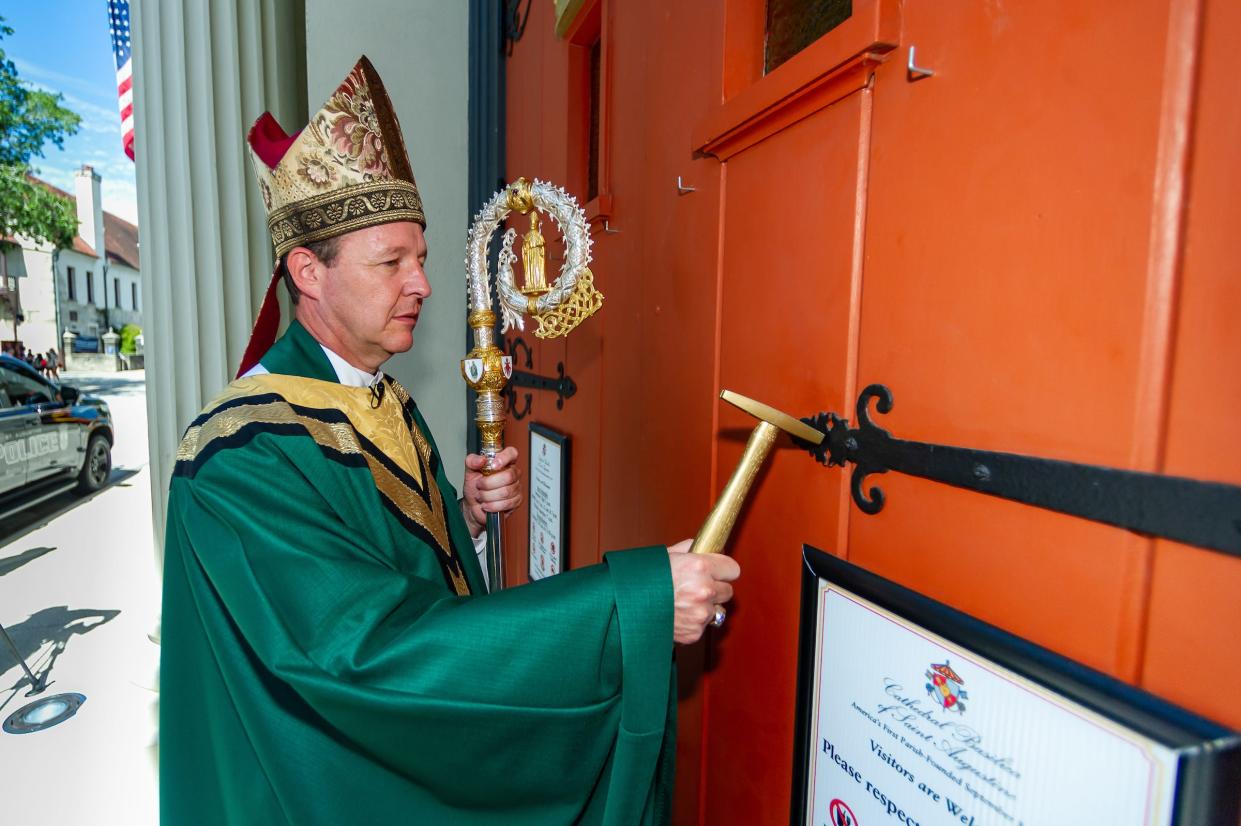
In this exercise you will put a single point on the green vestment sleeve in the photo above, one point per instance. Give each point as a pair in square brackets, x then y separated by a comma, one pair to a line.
[316, 672]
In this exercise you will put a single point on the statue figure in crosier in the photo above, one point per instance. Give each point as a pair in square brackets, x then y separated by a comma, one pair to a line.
[532, 245]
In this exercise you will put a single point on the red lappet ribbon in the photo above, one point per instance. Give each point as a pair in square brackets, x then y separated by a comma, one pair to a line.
[265, 327]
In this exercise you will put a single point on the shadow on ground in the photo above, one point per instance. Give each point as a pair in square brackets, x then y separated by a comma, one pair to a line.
[120, 385]
[12, 563]
[47, 631]
[36, 516]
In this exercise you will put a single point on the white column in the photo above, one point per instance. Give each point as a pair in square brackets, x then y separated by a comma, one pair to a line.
[203, 71]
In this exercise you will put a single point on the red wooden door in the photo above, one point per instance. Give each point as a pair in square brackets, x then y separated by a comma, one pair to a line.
[1034, 248]
[1007, 303]
[642, 423]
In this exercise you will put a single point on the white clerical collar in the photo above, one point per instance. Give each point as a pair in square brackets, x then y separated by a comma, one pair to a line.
[349, 375]
[346, 373]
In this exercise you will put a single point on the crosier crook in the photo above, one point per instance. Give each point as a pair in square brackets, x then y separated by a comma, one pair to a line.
[557, 308]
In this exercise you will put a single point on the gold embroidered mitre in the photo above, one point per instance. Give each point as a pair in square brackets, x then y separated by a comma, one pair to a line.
[346, 170]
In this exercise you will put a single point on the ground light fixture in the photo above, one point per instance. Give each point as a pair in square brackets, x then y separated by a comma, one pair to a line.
[42, 713]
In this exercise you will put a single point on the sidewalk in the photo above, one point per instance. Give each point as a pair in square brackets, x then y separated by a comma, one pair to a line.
[79, 595]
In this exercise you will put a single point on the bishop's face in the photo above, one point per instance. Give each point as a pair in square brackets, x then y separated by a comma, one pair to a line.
[372, 293]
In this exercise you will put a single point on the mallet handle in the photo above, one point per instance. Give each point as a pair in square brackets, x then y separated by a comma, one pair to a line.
[713, 535]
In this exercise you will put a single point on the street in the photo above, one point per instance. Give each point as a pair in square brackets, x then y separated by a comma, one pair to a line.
[79, 595]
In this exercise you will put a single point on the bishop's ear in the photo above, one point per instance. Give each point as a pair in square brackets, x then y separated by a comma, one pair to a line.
[306, 271]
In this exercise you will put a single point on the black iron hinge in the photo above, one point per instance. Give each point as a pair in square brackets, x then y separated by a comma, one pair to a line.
[1206, 514]
[563, 386]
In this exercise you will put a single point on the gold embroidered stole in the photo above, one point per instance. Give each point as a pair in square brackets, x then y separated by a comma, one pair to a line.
[340, 420]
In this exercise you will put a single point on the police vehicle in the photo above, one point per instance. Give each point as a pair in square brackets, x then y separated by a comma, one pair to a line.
[52, 438]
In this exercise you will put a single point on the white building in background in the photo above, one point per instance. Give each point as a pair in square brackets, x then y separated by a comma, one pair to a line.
[88, 288]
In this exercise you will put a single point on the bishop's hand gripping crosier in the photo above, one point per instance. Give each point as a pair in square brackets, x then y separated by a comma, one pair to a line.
[557, 307]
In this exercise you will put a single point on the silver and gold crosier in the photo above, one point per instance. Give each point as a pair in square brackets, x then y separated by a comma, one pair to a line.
[557, 307]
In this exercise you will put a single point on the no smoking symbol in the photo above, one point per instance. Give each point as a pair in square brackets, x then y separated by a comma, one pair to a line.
[840, 814]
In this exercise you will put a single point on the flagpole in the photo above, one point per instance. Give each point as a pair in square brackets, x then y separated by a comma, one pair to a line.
[36, 685]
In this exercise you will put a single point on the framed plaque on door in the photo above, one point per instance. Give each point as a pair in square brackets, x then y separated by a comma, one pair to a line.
[549, 501]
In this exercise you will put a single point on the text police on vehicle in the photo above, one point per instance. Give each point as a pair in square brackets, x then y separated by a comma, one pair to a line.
[50, 436]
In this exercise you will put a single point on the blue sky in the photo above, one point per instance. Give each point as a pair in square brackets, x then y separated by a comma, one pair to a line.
[64, 46]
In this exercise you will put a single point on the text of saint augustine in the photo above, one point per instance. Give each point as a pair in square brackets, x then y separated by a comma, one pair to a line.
[885, 799]
[976, 770]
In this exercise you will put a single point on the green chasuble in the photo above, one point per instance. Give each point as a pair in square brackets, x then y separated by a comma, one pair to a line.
[330, 654]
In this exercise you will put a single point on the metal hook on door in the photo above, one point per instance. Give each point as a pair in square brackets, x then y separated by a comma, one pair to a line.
[607, 228]
[684, 189]
[916, 73]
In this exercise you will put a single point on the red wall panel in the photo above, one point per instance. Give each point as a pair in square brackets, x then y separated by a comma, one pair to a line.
[1193, 624]
[773, 238]
[1034, 249]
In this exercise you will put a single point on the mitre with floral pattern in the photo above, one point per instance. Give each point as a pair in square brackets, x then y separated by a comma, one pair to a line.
[345, 171]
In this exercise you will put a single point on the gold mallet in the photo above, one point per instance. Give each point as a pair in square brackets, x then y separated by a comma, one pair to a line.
[713, 534]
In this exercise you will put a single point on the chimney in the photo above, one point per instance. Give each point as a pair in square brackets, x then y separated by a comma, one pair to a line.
[90, 208]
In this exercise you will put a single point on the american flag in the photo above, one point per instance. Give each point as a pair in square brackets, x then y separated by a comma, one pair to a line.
[118, 22]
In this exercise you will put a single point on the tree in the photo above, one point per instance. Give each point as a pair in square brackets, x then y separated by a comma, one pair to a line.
[30, 119]
[129, 336]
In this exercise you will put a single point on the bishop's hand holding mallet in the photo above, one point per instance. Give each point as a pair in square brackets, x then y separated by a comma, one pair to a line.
[713, 535]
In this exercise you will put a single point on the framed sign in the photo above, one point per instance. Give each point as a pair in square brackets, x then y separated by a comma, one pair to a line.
[549, 501]
[910, 712]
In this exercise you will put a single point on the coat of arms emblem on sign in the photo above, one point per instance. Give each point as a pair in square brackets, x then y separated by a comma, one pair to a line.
[945, 685]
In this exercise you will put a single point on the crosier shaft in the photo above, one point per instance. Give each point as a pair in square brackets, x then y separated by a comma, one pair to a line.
[495, 547]
[495, 554]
